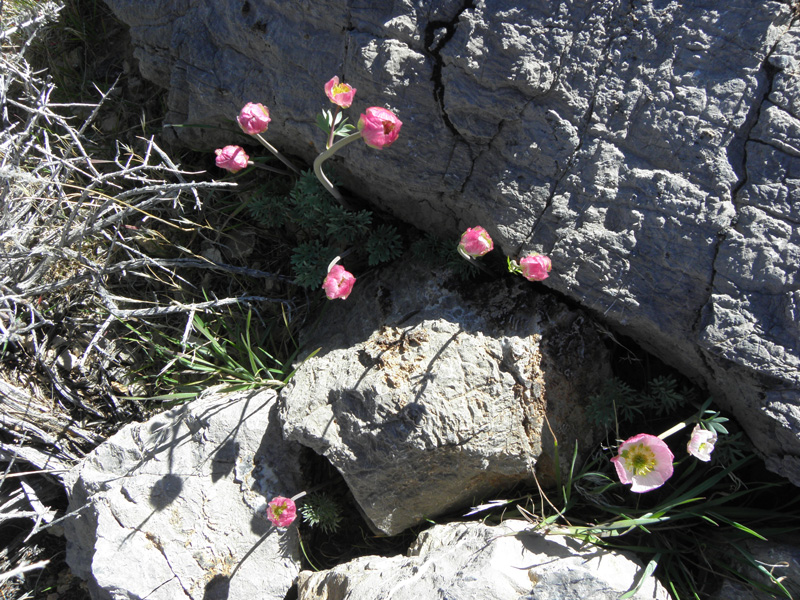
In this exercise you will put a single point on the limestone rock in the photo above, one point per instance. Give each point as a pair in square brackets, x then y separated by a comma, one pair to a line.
[473, 561]
[167, 509]
[429, 394]
[652, 149]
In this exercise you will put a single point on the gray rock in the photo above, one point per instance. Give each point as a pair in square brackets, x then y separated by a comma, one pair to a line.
[779, 558]
[427, 397]
[473, 561]
[652, 149]
[169, 508]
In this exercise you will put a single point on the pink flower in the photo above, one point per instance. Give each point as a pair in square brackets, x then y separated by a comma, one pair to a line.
[701, 444]
[281, 511]
[379, 127]
[475, 242]
[340, 94]
[339, 283]
[254, 118]
[535, 267]
[644, 461]
[231, 158]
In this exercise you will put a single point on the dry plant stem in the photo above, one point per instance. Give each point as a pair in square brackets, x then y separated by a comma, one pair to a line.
[277, 154]
[325, 156]
[267, 168]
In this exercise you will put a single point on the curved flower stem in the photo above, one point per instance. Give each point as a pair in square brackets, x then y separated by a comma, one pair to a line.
[674, 429]
[277, 154]
[325, 156]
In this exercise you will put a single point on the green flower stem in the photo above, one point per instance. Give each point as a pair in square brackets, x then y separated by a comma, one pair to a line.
[277, 154]
[325, 156]
[473, 261]
[250, 163]
[333, 128]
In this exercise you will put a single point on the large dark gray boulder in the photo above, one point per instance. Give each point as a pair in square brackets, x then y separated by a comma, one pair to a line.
[652, 149]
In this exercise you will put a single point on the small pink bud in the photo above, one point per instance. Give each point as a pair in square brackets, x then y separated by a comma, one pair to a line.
[339, 283]
[340, 94]
[475, 242]
[535, 267]
[231, 158]
[281, 511]
[379, 127]
[254, 118]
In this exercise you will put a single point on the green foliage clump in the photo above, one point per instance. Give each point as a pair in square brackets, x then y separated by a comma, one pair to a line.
[438, 251]
[310, 262]
[320, 510]
[617, 400]
[323, 228]
[384, 244]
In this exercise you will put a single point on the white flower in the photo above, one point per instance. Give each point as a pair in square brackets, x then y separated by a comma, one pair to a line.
[701, 444]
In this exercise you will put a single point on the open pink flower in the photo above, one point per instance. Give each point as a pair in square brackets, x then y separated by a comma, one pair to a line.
[231, 158]
[379, 127]
[701, 444]
[340, 94]
[339, 283]
[281, 511]
[645, 461]
[475, 242]
[254, 118]
[535, 267]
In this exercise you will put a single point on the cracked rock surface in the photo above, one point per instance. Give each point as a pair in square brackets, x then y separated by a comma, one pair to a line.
[473, 561]
[652, 149]
[428, 395]
[167, 509]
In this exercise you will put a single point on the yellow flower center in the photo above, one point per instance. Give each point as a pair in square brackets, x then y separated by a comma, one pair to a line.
[639, 459]
[341, 88]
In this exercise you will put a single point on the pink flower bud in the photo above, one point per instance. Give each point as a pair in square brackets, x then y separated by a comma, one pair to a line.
[281, 511]
[645, 461]
[231, 158]
[379, 127]
[475, 242]
[254, 118]
[340, 94]
[339, 283]
[535, 267]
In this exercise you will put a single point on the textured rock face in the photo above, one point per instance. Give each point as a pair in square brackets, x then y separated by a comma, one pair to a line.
[472, 561]
[170, 507]
[428, 396]
[651, 148]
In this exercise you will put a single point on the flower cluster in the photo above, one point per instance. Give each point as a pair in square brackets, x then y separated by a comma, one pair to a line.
[377, 126]
[645, 461]
[476, 242]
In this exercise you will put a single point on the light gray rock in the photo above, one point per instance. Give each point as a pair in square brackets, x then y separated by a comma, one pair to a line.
[167, 509]
[473, 561]
[652, 149]
[428, 395]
